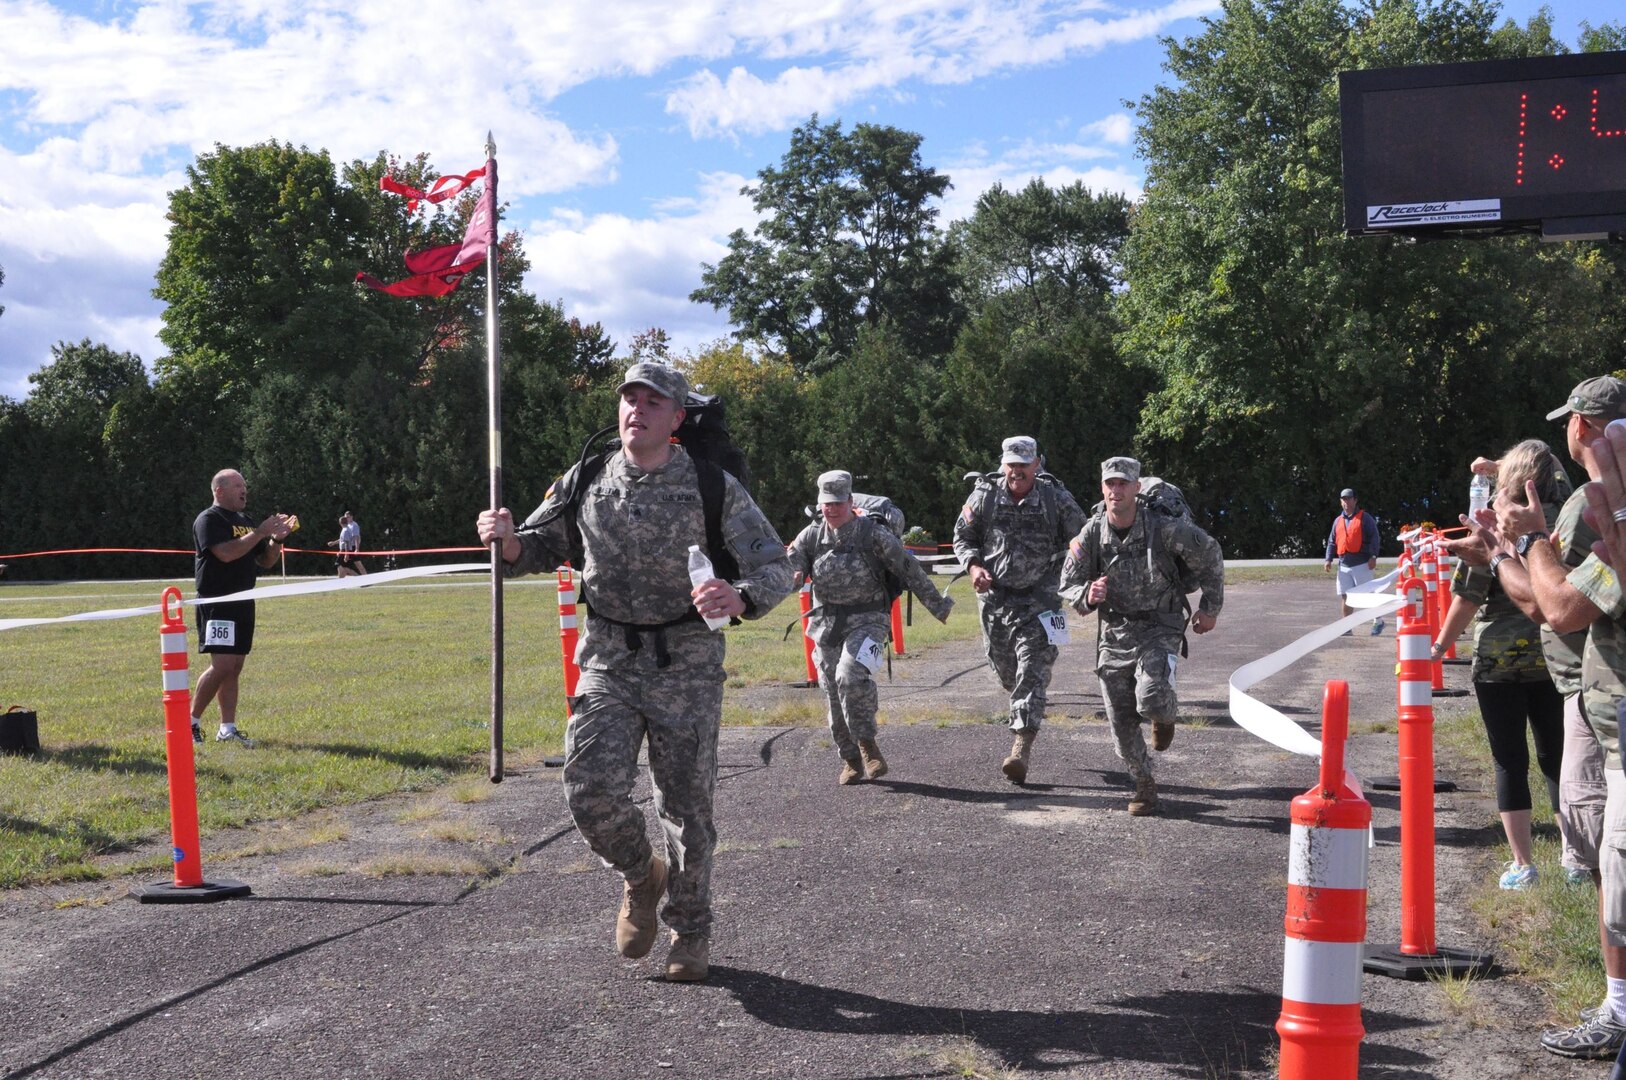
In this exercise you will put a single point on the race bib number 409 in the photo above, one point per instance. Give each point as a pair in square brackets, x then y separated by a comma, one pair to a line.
[220, 632]
[1055, 626]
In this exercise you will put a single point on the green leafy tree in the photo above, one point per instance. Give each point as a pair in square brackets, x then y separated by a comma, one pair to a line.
[1047, 253]
[1293, 359]
[1037, 354]
[848, 240]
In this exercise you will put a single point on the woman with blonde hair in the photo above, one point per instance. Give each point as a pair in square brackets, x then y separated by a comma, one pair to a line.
[1509, 671]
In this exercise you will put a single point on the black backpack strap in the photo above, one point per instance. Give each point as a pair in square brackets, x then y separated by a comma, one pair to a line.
[713, 488]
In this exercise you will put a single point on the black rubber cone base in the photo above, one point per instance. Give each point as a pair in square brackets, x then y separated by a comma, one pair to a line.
[1389, 960]
[167, 892]
[1392, 783]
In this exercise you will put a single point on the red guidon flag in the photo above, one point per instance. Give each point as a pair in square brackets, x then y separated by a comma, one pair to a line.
[436, 271]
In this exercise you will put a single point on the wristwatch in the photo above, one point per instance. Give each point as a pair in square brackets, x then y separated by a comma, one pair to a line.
[1522, 546]
[1497, 560]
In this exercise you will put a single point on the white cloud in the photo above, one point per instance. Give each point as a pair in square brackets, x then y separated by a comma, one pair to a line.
[634, 273]
[102, 114]
[886, 45]
[1116, 129]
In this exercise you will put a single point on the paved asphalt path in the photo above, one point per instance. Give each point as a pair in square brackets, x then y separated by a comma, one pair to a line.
[938, 923]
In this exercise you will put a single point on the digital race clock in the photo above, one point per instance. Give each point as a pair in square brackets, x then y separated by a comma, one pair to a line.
[1501, 145]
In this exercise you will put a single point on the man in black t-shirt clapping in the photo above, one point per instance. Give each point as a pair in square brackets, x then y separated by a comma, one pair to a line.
[230, 550]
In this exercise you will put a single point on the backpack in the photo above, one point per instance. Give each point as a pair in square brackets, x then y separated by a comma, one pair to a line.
[704, 435]
[882, 509]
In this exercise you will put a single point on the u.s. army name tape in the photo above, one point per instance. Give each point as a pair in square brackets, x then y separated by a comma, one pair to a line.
[270, 592]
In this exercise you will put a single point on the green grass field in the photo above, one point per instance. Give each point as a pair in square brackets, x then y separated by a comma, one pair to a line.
[351, 695]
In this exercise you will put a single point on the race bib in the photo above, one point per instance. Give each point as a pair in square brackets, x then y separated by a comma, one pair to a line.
[1055, 626]
[220, 632]
[1174, 662]
[872, 654]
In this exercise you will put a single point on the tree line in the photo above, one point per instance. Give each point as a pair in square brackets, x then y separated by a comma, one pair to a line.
[1221, 328]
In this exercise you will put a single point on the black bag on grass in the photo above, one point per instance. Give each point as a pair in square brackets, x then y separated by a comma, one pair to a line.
[19, 731]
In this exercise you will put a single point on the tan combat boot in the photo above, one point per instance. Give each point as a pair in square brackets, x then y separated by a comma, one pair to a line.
[874, 763]
[1145, 800]
[1162, 734]
[851, 772]
[635, 926]
[690, 958]
[1015, 767]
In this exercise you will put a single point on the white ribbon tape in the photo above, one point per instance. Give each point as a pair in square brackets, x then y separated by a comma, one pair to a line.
[271, 592]
[1269, 724]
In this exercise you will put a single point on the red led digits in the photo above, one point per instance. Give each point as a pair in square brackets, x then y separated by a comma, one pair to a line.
[1559, 112]
[1602, 133]
[1556, 161]
[1524, 112]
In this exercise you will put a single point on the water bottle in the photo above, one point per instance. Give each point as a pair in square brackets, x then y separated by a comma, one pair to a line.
[1479, 493]
[700, 572]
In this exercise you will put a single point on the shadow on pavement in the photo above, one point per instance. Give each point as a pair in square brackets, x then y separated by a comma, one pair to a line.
[1194, 1033]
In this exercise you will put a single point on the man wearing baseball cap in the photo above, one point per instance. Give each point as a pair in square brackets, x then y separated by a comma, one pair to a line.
[852, 560]
[1354, 543]
[1010, 538]
[1585, 654]
[1129, 564]
[650, 668]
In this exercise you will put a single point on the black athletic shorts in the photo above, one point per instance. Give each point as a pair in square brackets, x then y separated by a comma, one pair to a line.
[226, 628]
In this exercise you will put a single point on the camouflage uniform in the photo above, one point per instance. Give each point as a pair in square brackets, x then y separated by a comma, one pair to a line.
[1582, 785]
[666, 683]
[851, 607]
[1572, 540]
[1507, 646]
[1142, 621]
[1019, 544]
[1603, 661]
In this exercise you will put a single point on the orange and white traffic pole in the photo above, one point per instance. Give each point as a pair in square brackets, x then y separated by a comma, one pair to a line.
[1320, 1022]
[1416, 715]
[569, 633]
[188, 886]
[1418, 953]
[1428, 568]
[1447, 567]
[806, 597]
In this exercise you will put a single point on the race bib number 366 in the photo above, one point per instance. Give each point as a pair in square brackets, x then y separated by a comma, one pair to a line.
[220, 632]
[1055, 626]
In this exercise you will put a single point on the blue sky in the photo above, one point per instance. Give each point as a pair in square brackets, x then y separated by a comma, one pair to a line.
[624, 129]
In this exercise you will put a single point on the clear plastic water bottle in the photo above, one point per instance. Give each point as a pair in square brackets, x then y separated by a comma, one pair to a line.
[1479, 493]
[700, 572]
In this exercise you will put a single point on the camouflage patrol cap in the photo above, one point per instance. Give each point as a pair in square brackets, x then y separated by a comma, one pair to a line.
[835, 486]
[1122, 468]
[664, 380]
[1019, 450]
[1602, 396]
